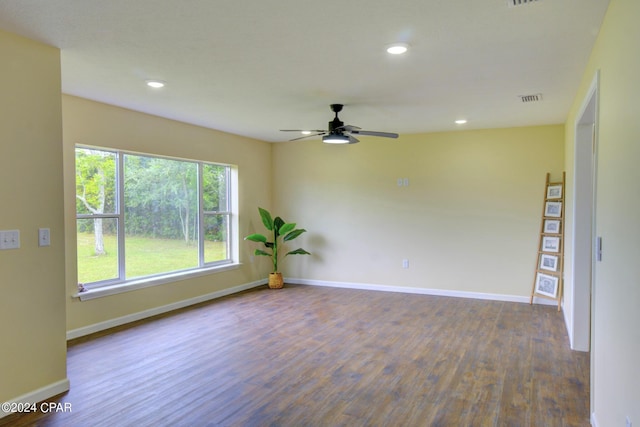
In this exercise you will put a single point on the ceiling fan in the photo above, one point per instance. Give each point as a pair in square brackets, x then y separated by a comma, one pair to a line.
[338, 132]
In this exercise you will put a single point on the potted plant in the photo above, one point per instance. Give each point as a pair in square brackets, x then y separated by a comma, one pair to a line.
[281, 230]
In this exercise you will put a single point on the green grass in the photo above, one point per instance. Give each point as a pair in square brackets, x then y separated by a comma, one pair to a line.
[144, 257]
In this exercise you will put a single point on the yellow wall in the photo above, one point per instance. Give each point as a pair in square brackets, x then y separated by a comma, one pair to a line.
[616, 333]
[92, 123]
[32, 305]
[468, 221]
[471, 210]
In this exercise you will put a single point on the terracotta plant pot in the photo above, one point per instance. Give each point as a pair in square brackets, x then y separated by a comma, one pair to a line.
[276, 281]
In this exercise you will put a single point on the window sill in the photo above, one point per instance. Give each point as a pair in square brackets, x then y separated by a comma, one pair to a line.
[133, 285]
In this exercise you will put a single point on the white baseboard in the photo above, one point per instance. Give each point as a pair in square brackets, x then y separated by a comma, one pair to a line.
[568, 323]
[40, 394]
[101, 326]
[594, 422]
[97, 327]
[422, 291]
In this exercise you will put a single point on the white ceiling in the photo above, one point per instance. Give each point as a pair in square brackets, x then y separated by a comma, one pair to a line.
[252, 67]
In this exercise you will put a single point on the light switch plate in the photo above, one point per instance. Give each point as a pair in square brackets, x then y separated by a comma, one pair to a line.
[44, 237]
[10, 239]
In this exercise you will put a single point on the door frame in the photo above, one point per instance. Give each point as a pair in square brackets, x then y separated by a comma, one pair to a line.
[584, 182]
[583, 258]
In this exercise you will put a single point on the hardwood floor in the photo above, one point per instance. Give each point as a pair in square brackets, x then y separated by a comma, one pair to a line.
[313, 356]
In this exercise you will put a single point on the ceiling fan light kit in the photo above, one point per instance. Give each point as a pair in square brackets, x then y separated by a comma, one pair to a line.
[338, 132]
[336, 139]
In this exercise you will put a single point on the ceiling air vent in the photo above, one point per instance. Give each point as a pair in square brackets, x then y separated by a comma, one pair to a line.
[531, 98]
[514, 3]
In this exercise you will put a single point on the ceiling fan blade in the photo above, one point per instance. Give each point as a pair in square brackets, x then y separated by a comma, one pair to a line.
[309, 136]
[302, 130]
[374, 133]
[338, 132]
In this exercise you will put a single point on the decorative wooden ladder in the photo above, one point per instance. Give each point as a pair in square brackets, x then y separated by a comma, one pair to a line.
[548, 279]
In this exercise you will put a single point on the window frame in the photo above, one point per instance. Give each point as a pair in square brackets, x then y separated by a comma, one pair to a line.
[121, 283]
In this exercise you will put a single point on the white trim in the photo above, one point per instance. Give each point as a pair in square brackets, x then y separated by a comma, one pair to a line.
[581, 262]
[40, 394]
[422, 291]
[101, 326]
[593, 90]
[594, 421]
[133, 285]
[96, 327]
[568, 318]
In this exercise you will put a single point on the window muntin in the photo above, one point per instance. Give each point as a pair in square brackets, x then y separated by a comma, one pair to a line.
[144, 216]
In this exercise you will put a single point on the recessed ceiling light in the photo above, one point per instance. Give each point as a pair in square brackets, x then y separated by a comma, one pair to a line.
[461, 122]
[397, 48]
[156, 84]
[306, 132]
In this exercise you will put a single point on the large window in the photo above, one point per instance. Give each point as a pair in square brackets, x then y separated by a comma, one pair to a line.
[142, 216]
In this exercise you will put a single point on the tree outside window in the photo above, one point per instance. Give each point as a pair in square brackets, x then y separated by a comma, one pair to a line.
[140, 216]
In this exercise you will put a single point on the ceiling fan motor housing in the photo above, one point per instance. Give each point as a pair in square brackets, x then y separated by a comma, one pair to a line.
[335, 123]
